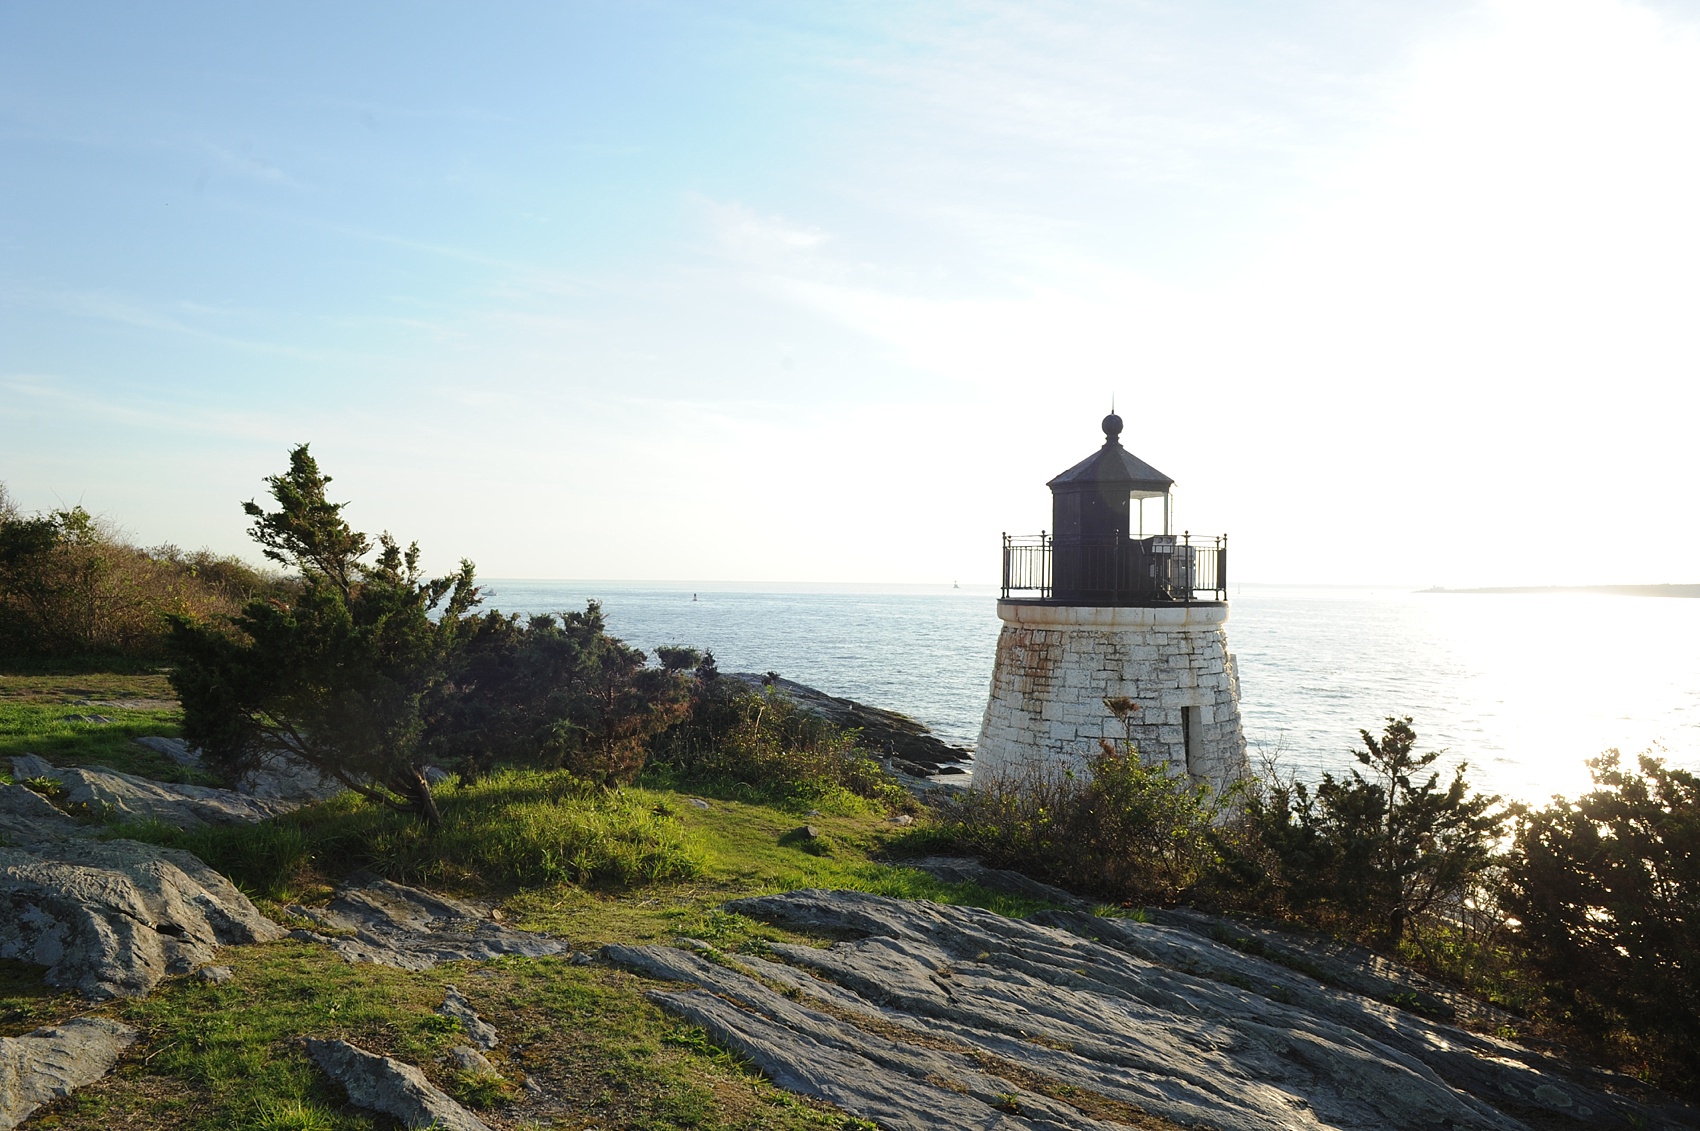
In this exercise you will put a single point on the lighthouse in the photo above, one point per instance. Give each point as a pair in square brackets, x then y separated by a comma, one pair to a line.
[1114, 628]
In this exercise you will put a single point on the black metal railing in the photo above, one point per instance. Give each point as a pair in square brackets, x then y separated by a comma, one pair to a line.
[1158, 570]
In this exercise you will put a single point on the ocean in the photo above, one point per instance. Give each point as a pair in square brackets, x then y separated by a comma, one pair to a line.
[1522, 687]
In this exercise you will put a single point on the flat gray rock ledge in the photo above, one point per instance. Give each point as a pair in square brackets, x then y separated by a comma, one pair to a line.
[386, 1085]
[48, 1064]
[1341, 965]
[932, 1017]
[109, 918]
[391, 924]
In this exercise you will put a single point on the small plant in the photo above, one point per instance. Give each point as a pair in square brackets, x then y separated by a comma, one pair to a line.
[483, 1090]
[50, 788]
[439, 1024]
[292, 1115]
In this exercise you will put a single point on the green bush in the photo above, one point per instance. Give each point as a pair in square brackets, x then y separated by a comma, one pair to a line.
[1605, 891]
[762, 741]
[371, 667]
[1367, 857]
[552, 692]
[1120, 828]
[335, 676]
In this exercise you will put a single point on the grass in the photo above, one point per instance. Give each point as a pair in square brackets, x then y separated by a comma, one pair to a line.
[500, 833]
[632, 866]
[231, 1055]
[39, 715]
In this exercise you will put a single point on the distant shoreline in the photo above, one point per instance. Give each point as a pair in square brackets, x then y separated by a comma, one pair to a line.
[1611, 590]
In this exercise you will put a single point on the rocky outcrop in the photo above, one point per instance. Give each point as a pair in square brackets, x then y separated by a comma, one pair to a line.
[962, 870]
[932, 1016]
[48, 1064]
[394, 925]
[479, 1031]
[174, 748]
[386, 1085]
[1341, 965]
[109, 794]
[279, 778]
[884, 732]
[109, 918]
[30, 767]
[125, 797]
[467, 1059]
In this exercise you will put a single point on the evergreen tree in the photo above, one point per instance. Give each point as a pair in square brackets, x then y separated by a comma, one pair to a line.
[337, 675]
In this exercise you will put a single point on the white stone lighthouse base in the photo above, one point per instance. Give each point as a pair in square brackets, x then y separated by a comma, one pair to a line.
[1057, 664]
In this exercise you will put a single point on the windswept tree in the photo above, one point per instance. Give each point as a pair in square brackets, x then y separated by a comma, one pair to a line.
[336, 675]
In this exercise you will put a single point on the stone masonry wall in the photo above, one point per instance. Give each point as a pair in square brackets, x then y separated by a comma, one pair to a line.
[1056, 665]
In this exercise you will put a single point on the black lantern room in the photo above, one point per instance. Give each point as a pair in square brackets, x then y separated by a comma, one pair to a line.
[1103, 548]
[1093, 499]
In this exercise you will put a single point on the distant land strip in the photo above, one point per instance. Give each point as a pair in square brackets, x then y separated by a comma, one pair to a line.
[1614, 590]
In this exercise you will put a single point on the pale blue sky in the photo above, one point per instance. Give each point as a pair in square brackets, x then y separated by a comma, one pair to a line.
[813, 293]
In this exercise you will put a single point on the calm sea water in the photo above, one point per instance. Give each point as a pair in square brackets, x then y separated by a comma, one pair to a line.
[1523, 687]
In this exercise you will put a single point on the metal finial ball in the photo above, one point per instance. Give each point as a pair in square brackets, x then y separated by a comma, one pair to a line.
[1112, 426]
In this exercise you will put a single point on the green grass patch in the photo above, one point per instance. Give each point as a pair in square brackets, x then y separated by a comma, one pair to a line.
[507, 831]
[748, 850]
[26, 1002]
[45, 715]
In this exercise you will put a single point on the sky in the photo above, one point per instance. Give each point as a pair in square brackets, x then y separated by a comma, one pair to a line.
[1398, 293]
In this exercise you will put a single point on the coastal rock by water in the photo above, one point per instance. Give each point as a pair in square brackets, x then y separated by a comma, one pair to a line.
[50, 1063]
[933, 1016]
[395, 925]
[109, 918]
[883, 732]
[384, 1084]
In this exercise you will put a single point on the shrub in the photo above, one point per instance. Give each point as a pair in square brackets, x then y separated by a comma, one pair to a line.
[72, 589]
[763, 741]
[1606, 894]
[369, 667]
[1121, 828]
[1368, 856]
[553, 693]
